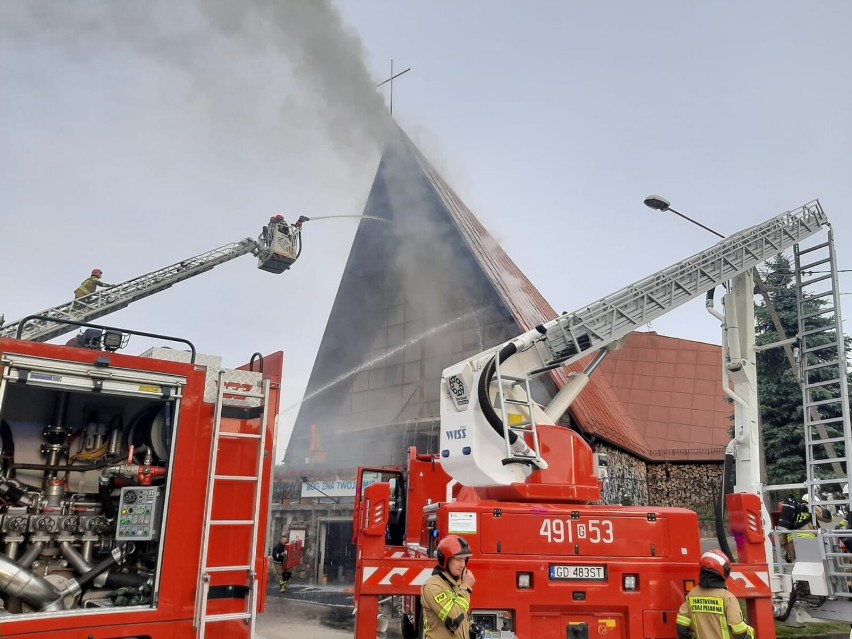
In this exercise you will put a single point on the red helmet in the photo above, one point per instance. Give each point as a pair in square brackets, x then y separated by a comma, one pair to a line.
[715, 561]
[96, 272]
[452, 546]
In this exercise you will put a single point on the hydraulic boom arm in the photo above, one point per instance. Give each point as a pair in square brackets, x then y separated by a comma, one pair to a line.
[482, 394]
[277, 248]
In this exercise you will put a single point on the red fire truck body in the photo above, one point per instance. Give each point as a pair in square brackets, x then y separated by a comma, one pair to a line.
[541, 567]
[134, 493]
[624, 570]
[549, 559]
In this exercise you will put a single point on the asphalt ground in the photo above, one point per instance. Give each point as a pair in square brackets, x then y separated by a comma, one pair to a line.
[323, 612]
[294, 619]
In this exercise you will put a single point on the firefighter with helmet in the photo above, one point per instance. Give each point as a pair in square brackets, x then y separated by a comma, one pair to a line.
[803, 525]
[710, 608]
[279, 560]
[445, 596]
[90, 284]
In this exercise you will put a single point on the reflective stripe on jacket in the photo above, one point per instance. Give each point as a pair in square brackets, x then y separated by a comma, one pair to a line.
[709, 613]
[89, 285]
[446, 605]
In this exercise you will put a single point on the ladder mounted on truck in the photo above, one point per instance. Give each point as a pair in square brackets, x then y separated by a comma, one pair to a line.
[571, 336]
[593, 328]
[277, 248]
[822, 365]
[231, 512]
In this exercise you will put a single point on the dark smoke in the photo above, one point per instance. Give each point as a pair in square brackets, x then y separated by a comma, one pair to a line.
[312, 61]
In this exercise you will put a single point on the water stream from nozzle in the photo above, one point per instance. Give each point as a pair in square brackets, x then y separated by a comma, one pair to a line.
[378, 359]
[363, 217]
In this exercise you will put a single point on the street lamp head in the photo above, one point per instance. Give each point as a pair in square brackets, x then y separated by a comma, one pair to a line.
[657, 202]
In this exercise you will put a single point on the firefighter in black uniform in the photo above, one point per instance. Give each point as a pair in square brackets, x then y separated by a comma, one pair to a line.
[279, 560]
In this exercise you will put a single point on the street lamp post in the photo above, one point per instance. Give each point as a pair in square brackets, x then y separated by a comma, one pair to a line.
[738, 369]
[659, 203]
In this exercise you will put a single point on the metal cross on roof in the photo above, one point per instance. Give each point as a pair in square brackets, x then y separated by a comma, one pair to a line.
[391, 79]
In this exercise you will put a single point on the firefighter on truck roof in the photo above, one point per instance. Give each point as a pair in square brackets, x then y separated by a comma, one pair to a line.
[446, 594]
[710, 609]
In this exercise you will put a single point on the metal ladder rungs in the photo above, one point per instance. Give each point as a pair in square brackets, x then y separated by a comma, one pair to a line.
[819, 384]
[823, 482]
[816, 331]
[823, 462]
[816, 296]
[823, 311]
[525, 426]
[235, 477]
[824, 422]
[827, 440]
[240, 435]
[813, 248]
[821, 365]
[821, 278]
[814, 349]
[806, 267]
[227, 568]
[230, 616]
[513, 378]
[824, 467]
[240, 395]
[824, 402]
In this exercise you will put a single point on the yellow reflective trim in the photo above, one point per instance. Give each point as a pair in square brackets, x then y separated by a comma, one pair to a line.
[723, 624]
[462, 602]
[445, 610]
[740, 628]
[683, 620]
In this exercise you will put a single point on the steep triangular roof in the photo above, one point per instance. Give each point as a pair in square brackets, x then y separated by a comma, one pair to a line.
[597, 410]
[423, 290]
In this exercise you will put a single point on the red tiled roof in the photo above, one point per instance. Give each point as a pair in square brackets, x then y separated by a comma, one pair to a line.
[672, 390]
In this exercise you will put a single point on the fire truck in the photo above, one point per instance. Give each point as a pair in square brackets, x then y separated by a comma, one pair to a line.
[133, 490]
[550, 559]
[277, 248]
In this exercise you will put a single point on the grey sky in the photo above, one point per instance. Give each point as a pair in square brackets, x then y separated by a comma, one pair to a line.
[133, 135]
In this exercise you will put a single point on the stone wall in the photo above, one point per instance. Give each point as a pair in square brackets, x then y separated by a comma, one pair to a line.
[286, 517]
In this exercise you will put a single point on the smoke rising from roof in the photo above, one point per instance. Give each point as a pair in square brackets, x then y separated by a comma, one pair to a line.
[309, 60]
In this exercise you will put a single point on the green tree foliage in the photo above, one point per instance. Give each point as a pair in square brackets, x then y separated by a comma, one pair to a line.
[778, 387]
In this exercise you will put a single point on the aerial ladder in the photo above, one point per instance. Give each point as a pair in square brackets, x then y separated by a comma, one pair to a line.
[495, 442]
[277, 248]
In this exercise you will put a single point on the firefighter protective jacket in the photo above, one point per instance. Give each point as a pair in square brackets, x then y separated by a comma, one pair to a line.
[279, 553]
[88, 286]
[708, 613]
[446, 605]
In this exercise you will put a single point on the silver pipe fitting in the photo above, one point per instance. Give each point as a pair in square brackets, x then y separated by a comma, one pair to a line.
[17, 581]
